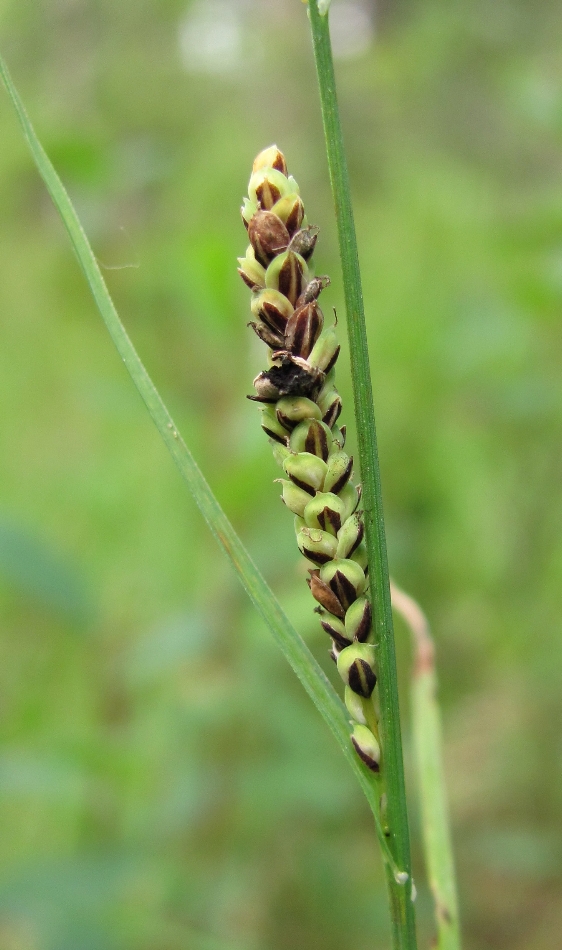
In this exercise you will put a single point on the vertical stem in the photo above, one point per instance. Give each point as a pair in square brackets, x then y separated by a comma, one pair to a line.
[392, 773]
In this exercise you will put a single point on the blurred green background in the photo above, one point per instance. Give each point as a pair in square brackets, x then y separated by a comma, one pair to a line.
[165, 784]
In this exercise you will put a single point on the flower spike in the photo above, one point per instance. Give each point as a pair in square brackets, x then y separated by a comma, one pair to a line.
[300, 408]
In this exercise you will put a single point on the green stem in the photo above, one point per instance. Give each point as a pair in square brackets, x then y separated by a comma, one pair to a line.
[402, 911]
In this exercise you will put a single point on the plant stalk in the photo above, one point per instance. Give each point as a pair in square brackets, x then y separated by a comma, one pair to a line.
[392, 771]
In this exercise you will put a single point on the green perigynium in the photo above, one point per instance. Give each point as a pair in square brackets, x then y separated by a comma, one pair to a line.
[300, 409]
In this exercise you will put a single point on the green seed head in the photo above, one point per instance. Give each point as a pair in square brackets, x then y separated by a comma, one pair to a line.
[267, 186]
[336, 630]
[293, 409]
[355, 705]
[271, 425]
[250, 270]
[307, 471]
[361, 557]
[345, 578]
[340, 467]
[351, 533]
[367, 747]
[312, 436]
[273, 308]
[324, 511]
[287, 273]
[294, 497]
[326, 350]
[290, 210]
[356, 666]
[358, 620]
[270, 157]
[349, 495]
[318, 546]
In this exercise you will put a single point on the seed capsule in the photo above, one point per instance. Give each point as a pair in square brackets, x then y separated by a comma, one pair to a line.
[270, 157]
[266, 391]
[303, 328]
[358, 620]
[311, 436]
[325, 596]
[290, 210]
[356, 668]
[280, 453]
[318, 546]
[293, 409]
[294, 497]
[271, 425]
[268, 185]
[336, 630]
[273, 308]
[350, 534]
[345, 578]
[361, 557]
[268, 236]
[272, 339]
[354, 704]
[324, 511]
[250, 270]
[350, 494]
[307, 471]
[326, 350]
[367, 747]
[287, 273]
[340, 467]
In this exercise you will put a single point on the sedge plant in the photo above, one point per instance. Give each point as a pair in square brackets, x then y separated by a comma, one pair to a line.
[339, 524]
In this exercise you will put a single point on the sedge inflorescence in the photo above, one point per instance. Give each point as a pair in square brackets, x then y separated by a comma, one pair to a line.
[300, 408]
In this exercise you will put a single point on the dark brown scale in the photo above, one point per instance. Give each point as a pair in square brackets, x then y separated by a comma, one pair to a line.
[369, 762]
[329, 518]
[315, 556]
[361, 678]
[247, 280]
[290, 278]
[332, 413]
[275, 341]
[316, 441]
[295, 217]
[267, 194]
[364, 628]
[274, 318]
[344, 478]
[341, 641]
[268, 236]
[343, 589]
[303, 329]
[325, 596]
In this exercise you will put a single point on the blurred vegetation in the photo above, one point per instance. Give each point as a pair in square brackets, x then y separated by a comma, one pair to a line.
[164, 782]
